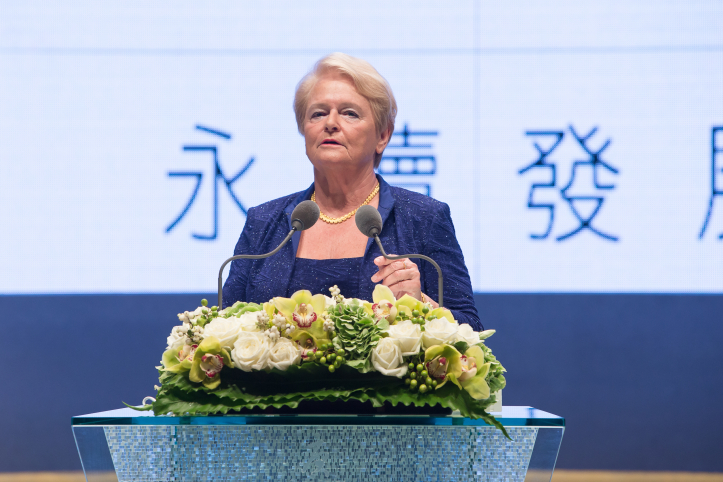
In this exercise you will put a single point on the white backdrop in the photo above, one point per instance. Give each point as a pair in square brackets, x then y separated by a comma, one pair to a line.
[97, 102]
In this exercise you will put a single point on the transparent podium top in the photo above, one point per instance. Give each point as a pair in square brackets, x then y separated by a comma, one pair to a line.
[509, 417]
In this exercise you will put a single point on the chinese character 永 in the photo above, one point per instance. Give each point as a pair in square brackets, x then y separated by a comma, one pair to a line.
[219, 176]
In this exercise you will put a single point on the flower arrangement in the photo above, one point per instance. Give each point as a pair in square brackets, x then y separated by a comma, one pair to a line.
[320, 348]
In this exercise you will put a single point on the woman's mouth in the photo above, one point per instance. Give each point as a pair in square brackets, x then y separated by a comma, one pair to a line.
[330, 142]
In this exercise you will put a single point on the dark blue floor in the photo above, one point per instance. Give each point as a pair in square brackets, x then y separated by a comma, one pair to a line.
[638, 377]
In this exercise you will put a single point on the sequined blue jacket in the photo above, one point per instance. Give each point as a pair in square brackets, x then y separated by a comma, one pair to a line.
[413, 223]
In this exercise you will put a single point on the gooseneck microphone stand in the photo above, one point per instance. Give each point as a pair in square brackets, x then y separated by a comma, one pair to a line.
[419, 256]
[304, 216]
[247, 256]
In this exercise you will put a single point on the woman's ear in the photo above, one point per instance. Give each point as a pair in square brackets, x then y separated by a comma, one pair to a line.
[383, 140]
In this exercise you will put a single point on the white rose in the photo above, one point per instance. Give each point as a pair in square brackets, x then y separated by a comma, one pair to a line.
[251, 350]
[467, 334]
[387, 358]
[247, 321]
[409, 336]
[225, 329]
[177, 338]
[439, 331]
[284, 354]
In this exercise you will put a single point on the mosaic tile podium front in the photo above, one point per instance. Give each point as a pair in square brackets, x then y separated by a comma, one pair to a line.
[125, 445]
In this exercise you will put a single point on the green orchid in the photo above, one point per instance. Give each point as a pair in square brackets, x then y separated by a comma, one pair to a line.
[208, 361]
[407, 304]
[178, 361]
[475, 372]
[384, 306]
[304, 311]
[443, 364]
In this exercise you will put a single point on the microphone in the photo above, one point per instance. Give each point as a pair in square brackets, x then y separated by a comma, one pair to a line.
[369, 222]
[304, 216]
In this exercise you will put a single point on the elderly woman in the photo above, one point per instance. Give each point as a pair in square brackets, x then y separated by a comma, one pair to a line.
[345, 110]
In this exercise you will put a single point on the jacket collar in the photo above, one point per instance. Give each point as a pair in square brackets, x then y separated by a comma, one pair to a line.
[386, 204]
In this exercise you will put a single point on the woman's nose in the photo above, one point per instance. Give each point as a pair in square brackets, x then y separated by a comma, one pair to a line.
[332, 122]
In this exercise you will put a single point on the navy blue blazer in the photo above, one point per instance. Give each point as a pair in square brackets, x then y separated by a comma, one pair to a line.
[413, 223]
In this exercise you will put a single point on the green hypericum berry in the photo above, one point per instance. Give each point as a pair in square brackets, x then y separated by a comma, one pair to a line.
[340, 352]
[415, 313]
[413, 375]
[214, 308]
[420, 367]
[424, 374]
[413, 384]
[204, 302]
[422, 388]
[407, 381]
[425, 310]
[323, 359]
[337, 363]
[428, 381]
[434, 383]
[204, 311]
[411, 367]
[332, 368]
[331, 357]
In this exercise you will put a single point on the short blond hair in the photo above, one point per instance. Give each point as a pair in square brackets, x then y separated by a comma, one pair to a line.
[367, 81]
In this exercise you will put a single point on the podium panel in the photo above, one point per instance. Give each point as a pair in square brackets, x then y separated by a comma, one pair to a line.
[125, 445]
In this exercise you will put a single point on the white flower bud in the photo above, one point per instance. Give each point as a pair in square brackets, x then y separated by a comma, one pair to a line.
[272, 333]
[279, 321]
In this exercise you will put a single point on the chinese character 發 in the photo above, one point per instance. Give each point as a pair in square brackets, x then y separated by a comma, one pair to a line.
[410, 159]
[593, 161]
[218, 176]
[716, 174]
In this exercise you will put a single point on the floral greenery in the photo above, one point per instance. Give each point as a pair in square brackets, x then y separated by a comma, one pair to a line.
[308, 382]
[356, 333]
[312, 348]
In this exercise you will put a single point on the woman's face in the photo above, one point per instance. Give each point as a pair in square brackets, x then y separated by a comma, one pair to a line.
[339, 126]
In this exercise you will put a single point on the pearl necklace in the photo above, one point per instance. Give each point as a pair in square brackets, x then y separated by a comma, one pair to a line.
[331, 220]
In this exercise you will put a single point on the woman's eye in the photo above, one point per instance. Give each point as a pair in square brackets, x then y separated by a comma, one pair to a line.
[316, 114]
[351, 113]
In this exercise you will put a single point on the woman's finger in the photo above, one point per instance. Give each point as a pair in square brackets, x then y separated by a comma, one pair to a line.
[400, 275]
[407, 287]
[390, 268]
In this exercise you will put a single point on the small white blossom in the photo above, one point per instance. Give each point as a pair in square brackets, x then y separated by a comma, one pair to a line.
[273, 334]
[280, 321]
[328, 325]
[197, 334]
[263, 320]
[335, 291]
[289, 330]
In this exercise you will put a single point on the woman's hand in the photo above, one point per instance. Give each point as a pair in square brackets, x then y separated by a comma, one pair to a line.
[401, 276]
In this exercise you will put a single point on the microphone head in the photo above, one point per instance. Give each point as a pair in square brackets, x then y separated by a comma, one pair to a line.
[368, 220]
[305, 215]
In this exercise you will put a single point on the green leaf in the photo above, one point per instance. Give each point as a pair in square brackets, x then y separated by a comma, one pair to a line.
[461, 346]
[143, 408]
